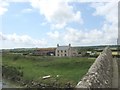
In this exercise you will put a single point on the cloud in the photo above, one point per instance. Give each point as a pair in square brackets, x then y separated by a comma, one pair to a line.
[110, 26]
[93, 0]
[57, 12]
[3, 7]
[22, 39]
[73, 35]
[60, 13]
[108, 10]
[107, 34]
[27, 10]
[17, 1]
[92, 37]
[4, 4]
[54, 35]
[43, 23]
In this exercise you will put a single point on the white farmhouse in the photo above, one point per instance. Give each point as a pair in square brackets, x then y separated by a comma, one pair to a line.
[65, 51]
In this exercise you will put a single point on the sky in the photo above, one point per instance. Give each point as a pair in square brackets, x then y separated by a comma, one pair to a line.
[46, 23]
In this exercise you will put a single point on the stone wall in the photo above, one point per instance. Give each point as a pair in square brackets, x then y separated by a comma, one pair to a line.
[100, 73]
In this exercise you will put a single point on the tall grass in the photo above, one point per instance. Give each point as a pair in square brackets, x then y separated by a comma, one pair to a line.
[35, 67]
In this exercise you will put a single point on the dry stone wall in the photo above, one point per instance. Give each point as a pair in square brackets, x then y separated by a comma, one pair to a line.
[100, 73]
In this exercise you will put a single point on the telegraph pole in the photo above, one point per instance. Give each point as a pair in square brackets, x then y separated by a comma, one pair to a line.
[118, 39]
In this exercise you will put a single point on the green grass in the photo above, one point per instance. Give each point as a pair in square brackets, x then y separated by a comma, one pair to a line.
[35, 67]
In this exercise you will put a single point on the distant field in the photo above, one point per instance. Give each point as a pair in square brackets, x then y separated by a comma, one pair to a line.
[35, 67]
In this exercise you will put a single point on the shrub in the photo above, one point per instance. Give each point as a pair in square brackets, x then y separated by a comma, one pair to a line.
[12, 73]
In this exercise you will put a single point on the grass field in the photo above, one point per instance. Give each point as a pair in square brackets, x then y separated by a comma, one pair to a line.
[35, 67]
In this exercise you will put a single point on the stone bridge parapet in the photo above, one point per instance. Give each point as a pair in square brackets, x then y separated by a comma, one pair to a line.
[100, 73]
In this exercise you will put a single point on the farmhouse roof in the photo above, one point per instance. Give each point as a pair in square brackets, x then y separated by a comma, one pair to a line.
[63, 48]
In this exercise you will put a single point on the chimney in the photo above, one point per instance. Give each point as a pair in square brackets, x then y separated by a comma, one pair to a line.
[57, 45]
[69, 45]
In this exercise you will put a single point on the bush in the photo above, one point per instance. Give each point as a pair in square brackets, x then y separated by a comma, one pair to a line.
[12, 73]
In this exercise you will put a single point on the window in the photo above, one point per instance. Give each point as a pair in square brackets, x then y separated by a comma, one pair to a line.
[58, 51]
[58, 54]
[65, 50]
[65, 55]
[61, 50]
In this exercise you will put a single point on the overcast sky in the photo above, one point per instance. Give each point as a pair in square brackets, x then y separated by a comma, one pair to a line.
[46, 23]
